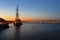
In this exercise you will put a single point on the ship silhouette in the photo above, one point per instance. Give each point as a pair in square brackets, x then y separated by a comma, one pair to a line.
[17, 21]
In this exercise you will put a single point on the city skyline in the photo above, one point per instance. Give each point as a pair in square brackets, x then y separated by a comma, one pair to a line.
[30, 9]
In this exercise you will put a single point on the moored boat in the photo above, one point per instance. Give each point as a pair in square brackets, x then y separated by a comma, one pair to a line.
[3, 24]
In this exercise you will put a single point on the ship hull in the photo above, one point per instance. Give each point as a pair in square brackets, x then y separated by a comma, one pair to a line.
[18, 24]
[4, 26]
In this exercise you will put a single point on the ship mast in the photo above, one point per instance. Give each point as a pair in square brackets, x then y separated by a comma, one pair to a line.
[17, 20]
[17, 12]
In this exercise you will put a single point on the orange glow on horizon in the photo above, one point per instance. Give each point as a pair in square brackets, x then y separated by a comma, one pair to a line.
[22, 18]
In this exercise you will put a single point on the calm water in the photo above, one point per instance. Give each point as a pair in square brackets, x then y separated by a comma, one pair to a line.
[30, 31]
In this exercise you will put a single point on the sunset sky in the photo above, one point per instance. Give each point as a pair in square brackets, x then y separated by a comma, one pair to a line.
[30, 9]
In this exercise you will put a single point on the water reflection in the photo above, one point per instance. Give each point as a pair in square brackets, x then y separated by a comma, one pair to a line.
[17, 33]
[31, 32]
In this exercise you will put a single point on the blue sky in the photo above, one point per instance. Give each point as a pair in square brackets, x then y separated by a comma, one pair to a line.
[49, 9]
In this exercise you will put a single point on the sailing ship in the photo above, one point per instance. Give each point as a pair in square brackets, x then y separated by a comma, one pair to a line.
[17, 21]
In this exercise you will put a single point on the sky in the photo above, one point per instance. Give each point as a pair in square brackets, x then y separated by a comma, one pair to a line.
[30, 9]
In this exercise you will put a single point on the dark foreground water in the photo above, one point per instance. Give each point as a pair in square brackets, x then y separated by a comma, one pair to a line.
[32, 32]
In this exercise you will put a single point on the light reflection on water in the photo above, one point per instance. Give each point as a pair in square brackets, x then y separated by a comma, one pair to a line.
[31, 32]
